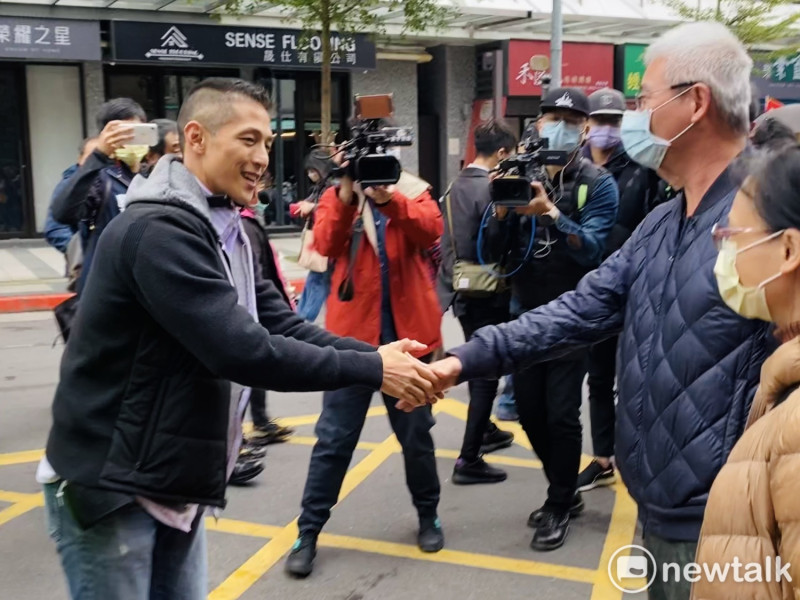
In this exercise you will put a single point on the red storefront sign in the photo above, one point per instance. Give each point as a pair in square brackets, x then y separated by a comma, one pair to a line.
[586, 66]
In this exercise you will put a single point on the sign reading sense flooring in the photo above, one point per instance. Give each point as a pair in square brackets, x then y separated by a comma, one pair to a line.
[49, 39]
[224, 45]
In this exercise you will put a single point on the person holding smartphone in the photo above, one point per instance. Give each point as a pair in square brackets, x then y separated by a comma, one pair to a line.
[94, 194]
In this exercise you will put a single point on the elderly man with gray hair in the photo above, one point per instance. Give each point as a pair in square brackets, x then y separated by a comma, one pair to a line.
[688, 365]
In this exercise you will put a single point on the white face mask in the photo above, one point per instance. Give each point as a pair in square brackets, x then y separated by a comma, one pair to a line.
[749, 302]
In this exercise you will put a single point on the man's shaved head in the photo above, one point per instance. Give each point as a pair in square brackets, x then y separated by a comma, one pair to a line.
[210, 102]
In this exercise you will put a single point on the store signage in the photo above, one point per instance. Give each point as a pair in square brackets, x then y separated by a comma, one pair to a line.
[223, 45]
[632, 69]
[49, 39]
[586, 66]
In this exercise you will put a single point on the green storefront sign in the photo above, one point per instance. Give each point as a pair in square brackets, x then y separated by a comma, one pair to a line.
[783, 69]
[632, 69]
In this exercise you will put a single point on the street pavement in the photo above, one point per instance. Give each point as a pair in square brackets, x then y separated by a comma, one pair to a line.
[34, 267]
[367, 551]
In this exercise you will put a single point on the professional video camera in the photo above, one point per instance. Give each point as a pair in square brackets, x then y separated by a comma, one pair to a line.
[366, 154]
[512, 188]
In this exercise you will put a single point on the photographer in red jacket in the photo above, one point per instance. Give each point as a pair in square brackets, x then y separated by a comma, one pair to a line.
[380, 290]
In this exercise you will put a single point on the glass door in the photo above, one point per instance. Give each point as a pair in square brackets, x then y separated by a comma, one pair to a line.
[16, 214]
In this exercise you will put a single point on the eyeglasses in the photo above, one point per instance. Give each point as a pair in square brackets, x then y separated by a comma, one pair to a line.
[641, 97]
[720, 232]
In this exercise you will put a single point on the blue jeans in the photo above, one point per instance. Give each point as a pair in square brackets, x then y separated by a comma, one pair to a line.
[128, 554]
[506, 399]
[338, 429]
[314, 294]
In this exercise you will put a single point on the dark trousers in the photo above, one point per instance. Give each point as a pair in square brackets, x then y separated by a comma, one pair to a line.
[549, 405]
[602, 374]
[667, 552]
[481, 391]
[258, 408]
[338, 429]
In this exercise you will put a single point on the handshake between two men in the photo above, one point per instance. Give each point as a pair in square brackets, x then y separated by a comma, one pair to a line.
[410, 380]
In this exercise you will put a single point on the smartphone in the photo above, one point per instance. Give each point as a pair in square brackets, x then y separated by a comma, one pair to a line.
[144, 134]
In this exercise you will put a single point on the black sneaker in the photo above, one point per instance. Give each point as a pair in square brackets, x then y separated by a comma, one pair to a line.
[300, 561]
[595, 475]
[577, 508]
[478, 471]
[495, 439]
[431, 536]
[271, 433]
[245, 470]
[551, 533]
[251, 451]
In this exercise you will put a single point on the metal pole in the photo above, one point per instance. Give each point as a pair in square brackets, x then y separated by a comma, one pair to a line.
[498, 84]
[557, 23]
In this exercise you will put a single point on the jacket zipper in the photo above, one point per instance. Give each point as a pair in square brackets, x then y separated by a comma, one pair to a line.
[659, 320]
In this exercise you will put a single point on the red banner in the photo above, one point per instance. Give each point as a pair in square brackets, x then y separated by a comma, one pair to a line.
[771, 103]
[586, 66]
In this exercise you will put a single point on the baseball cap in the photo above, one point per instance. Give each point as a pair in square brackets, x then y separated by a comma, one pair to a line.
[569, 98]
[607, 102]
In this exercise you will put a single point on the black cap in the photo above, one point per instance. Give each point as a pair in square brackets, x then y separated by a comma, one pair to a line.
[607, 102]
[568, 98]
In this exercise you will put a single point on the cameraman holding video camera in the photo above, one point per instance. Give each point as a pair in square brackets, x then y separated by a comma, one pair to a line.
[571, 215]
[380, 290]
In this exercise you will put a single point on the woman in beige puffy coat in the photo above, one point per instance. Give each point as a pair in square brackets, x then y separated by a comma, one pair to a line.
[752, 519]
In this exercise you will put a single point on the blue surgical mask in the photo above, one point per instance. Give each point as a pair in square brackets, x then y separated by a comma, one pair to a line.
[561, 136]
[640, 143]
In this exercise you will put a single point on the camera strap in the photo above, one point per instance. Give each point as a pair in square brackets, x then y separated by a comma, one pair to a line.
[347, 287]
[450, 221]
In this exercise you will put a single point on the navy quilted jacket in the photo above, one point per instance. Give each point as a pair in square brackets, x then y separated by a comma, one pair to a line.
[688, 366]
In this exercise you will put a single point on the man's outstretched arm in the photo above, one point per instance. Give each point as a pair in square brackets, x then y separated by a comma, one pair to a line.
[592, 312]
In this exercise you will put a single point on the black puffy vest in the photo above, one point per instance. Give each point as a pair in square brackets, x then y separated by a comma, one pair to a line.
[551, 270]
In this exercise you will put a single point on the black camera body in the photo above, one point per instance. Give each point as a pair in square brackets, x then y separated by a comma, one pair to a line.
[512, 188]
[366, 153]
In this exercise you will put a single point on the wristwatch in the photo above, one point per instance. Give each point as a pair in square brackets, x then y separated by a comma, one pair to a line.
[554, 213]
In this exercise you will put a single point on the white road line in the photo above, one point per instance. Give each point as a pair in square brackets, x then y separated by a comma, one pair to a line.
[11, 269]
[24, 288]
[26, 317]
[52, 258]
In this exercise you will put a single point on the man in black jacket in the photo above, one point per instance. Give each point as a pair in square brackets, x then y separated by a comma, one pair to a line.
[638, 189]
[464, 207]
[174, 323]
[569, 222]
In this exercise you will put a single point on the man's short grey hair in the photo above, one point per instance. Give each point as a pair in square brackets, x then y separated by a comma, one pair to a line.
[708, 52]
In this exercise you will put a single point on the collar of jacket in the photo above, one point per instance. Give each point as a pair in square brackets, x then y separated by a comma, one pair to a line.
[617, 159]
[725, 184]
[171, 183]
[474, 172]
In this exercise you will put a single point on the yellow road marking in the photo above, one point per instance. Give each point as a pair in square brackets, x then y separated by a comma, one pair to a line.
[497, 459]
[374, 411]
[242, 528]
[621, 532]
[18, 458]
[301, 440]
[453, 557]
[18, 509]
[14, 497]
[262, 561]
[456, 557]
